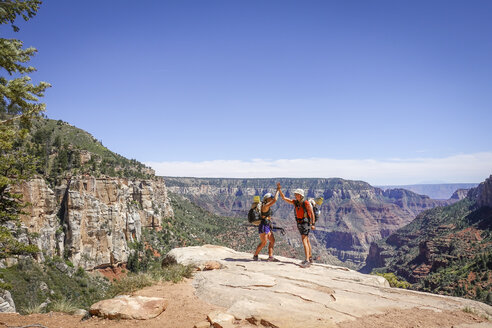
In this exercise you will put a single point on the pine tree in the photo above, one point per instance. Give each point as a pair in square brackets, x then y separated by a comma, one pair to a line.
[19, 103]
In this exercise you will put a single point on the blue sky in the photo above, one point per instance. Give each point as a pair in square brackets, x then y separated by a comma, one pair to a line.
[390, 92]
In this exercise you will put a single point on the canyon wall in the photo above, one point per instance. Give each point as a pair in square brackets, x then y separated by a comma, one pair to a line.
[89, 220]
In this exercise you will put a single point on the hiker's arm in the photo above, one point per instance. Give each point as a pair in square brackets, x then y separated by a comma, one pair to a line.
[290, 201]
[270, 203]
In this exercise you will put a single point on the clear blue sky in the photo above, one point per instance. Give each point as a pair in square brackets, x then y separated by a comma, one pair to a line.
[255, 83]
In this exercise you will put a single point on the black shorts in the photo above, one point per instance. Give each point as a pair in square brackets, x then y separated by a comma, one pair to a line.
[304, 227]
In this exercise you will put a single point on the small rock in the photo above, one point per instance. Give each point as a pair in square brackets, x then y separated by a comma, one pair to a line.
[80, 312]
[43, 287]
[44, 305]
[266, 323]
[254, 320]
[212, 265]
[168, 260]
[221, 319]
[202, 324]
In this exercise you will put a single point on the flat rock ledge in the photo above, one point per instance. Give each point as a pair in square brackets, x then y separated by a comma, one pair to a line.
[282, 294]
[129, 307]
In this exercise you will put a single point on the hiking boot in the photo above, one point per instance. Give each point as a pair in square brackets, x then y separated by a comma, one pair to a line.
[305, 264]
[272, 259]
[255, 257]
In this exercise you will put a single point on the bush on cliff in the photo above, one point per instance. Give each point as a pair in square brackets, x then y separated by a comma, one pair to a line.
[394, 281]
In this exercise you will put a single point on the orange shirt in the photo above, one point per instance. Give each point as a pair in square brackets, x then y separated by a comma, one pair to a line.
[300, 210]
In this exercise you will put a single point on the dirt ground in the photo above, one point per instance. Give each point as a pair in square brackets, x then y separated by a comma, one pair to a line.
[185, 310]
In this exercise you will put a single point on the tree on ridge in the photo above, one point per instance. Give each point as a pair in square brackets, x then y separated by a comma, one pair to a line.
[19, 103]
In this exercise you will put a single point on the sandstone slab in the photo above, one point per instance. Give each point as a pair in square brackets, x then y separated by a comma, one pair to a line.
[286, 295]
[129, 307]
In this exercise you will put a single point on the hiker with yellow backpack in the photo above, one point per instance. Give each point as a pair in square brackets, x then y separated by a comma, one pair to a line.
[265, 227]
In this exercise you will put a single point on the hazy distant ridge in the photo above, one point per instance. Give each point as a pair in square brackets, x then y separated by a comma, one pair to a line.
[434, 191]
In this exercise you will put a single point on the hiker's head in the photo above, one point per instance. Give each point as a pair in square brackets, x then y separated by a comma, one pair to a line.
[299, 193]
[267, 196]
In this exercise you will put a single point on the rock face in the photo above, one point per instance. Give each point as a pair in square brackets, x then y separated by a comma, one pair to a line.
[353, 215]
[6, 302]
[459, 194]
[483, 193]
[129, 307]
[89, 219]
[282, 294]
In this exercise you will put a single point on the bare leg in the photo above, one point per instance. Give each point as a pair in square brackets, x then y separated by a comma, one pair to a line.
[271, 237]
[263, 238]
[307, 246]
[310, 249]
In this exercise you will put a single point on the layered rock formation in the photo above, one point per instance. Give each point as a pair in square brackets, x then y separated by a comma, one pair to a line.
[353, 215]
[483, 193]
[91, 220]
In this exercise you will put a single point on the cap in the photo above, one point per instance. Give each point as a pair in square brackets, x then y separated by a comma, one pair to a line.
[267, 195]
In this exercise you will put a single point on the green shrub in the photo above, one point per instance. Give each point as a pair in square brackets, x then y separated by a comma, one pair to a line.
[130, 284]
[64, 306]
[394, 281]
[31, 309]
[176, 272]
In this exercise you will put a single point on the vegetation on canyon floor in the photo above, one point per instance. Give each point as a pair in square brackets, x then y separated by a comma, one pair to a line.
[446, 250]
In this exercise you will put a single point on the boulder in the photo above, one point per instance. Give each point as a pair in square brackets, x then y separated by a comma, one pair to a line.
[129, 307]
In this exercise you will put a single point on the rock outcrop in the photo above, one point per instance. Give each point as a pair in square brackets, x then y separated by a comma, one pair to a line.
[353, 215]
[90, 220]
[6, 302]
[459, 194]
[282, 294]
[483, 193]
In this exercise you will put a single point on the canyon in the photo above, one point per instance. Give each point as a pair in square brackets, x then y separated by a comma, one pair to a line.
[354, 214]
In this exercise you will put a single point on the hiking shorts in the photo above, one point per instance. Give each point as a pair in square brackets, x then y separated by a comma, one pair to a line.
[304, 227]
[264, 227]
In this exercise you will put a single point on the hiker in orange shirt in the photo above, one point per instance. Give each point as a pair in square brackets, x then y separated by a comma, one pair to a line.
[305, 220]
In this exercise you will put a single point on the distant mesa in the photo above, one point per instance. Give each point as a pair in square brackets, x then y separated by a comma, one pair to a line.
[434, 191]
